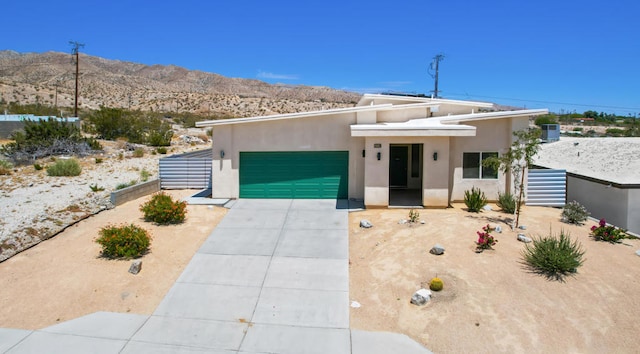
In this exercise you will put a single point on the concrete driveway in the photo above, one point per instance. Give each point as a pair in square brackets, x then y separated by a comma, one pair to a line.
[273, 277]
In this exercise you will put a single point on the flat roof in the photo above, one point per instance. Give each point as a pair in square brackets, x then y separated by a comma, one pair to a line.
[615, 160]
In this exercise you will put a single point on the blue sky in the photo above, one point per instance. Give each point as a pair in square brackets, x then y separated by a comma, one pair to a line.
[563, 55]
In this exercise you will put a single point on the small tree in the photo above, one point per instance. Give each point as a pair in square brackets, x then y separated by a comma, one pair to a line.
[516, 160]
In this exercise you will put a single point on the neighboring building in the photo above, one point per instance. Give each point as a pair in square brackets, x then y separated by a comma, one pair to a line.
[387, 150]
[9, 123]
[603, 174]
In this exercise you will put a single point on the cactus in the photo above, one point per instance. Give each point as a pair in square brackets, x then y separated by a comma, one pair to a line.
[436, 284]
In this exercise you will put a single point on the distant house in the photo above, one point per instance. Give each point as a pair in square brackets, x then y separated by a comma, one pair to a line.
[603, 174]
[387, 150]
[10, 123]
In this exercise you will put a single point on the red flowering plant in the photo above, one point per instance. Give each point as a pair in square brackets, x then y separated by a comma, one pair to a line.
[609, 233]
[485, 239]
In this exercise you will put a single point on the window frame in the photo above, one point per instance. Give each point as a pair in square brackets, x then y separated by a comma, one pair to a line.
[480, 169]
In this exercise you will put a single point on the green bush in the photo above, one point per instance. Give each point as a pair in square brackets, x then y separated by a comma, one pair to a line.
[126, 184]
[574, 213]
[98, 160]
[126, 241]
[474, 200]
[5, 167]
[37, 166]
[69, 167]
[144, 175]
[554, 256]
[609, 233]
[507, 202]
[162, 209]
[414, 216]
[96, 188]
[162, 150]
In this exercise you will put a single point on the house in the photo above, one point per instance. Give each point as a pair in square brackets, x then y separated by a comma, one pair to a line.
[603, 174]
[387, 150]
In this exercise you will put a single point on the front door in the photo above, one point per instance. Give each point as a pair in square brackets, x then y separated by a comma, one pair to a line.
[398, 165]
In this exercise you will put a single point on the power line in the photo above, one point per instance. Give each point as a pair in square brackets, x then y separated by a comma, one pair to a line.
[74, 51]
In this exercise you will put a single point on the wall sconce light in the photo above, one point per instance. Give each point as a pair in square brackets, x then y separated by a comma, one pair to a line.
[363, 153]
[379, 155]
[222, 154]
[435, 156]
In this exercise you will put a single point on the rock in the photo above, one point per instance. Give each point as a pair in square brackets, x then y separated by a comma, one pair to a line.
[522, 227]
[523, 238]
[498, 229]
[437, 249]
[487, 207]
[365, 223]
[421, 297]
[402, 222]
[638, 252]
[136, 266]
[422, 222]
[355, 304]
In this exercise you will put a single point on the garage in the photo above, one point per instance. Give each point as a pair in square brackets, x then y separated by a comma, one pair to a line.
[294, 174]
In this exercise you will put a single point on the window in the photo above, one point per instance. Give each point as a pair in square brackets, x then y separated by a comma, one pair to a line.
[472, 166]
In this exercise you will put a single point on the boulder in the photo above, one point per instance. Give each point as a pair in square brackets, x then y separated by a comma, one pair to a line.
[498, 229]
[365, 223]
[421, 297]
[523, 238]
[638, 252]
[487, 208]
[135, 267]
[437, 249]
[522, 227]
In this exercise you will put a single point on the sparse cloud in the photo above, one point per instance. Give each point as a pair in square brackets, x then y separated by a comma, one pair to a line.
[273, 76]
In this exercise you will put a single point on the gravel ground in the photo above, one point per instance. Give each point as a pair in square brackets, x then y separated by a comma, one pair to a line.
[35, 206]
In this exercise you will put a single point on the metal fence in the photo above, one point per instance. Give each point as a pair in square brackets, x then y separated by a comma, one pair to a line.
[186, 171]
[547, 187]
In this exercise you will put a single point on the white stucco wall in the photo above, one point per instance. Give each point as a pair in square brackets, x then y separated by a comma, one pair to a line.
[323, 133]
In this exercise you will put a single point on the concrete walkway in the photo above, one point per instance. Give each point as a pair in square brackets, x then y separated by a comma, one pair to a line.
[273, 277]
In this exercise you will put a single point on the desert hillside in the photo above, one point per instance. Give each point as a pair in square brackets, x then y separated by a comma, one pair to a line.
[49, 79]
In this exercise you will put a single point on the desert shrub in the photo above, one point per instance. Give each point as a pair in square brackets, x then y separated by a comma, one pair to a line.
[144, 175]
[609, 233]
[485, 238]
[37, 167]
[98, 160]
[5, 167]
[554, 256]
[436, 284]
[507, 202]
[574, 213]
[414, 216]
[96, 188]
[124, 185]
[474, 199]
[162, 209]
[68, 167]
[126, 241]
[162, 150]
[138, 152]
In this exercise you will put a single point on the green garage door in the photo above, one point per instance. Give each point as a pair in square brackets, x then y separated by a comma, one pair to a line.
[301, 175]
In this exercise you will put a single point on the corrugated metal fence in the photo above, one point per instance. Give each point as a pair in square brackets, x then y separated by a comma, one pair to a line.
[547, 187]
[186, 171]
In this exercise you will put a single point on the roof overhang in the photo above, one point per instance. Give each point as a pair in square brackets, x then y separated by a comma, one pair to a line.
[460, 118]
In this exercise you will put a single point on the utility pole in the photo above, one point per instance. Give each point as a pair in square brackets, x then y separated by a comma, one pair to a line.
[435, 67]
[74, 51]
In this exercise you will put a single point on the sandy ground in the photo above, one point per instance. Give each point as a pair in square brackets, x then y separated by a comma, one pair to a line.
[491, 302]
[64, 277]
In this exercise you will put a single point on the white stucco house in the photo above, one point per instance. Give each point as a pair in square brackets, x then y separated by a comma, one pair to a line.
[387, 150]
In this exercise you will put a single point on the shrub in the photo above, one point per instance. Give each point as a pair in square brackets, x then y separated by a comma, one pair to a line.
[414, 216]
[485, 239]
[507, 202]
[126, 184]
[98, 160]
[144, 175]
[162, 150]
[5, 167]
[69, 167]
[436, 284]
[126, 241]
[162, 209]
[574, 213]
[138, 152]
[554, 256]
[609, 233]
[96, 188]
[37, 166]
[474, 200]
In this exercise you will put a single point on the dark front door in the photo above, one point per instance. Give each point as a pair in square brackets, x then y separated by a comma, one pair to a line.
[398, 165]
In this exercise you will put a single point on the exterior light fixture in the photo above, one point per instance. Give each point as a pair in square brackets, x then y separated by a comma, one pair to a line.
[222, 154]
[379, 155]
[435, 156]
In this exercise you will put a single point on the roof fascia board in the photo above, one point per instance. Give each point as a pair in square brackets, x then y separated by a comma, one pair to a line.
[490, 115]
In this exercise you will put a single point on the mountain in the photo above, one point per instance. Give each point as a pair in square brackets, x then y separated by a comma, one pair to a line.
[49, 79]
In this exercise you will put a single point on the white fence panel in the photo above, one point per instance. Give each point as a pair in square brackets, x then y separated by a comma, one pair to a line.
[546, 187]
